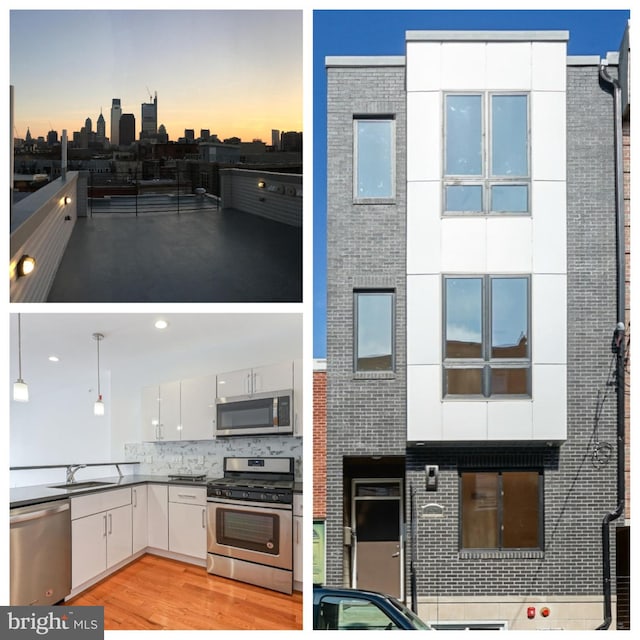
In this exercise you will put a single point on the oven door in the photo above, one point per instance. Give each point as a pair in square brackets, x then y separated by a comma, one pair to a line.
[251, 531]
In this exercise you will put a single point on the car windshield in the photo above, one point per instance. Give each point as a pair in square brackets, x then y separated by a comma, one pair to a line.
[416, 622]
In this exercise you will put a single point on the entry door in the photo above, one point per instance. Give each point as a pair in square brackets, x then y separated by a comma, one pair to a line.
[377, 543]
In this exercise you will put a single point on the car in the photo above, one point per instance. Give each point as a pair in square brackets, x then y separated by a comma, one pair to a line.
[355, 609]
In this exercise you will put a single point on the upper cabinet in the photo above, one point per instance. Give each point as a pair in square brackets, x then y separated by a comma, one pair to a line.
[198, 402]
[246, 382]
[186, 409]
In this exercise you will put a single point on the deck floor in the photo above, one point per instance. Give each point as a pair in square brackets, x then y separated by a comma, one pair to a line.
[196, 256]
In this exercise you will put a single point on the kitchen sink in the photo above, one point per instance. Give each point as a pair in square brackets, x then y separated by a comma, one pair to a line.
[71, 486]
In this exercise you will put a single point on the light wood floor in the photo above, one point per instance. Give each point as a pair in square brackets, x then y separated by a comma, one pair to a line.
[158, 593]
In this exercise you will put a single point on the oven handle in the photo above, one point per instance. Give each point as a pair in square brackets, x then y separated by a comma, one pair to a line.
[264, 506]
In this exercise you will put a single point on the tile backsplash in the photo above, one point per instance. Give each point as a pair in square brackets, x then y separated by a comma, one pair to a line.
[207, 456]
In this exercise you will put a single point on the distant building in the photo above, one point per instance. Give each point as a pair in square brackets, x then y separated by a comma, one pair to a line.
[291, 141]
[116, 113]
[205, 134]
[217, 152]
[101, 126]
[127, 129]
[163, 136]
[52, 138]
[149, 119]
[189, 135]
[275, 139]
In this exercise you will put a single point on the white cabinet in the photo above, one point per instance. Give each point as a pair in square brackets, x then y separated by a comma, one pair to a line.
[188, 521]
[158, 516]
[297, 541]
[139, 517]
[161, 412]
[180, 410]
[101, 532]
[198, 408]
[273, 377]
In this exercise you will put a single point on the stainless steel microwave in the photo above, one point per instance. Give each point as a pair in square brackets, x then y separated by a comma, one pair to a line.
[257, 414]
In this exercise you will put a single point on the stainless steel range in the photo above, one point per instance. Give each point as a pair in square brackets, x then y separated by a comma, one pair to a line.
[250, 523]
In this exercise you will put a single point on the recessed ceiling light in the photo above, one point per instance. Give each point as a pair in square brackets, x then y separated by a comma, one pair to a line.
[54, 359]
[161, 324]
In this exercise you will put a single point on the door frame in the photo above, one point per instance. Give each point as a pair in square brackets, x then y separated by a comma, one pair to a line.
[401, 524]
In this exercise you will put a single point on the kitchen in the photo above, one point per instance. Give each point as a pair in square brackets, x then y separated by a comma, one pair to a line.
[189, 486]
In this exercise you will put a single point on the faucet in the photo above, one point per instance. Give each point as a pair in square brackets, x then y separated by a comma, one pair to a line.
[71, 470]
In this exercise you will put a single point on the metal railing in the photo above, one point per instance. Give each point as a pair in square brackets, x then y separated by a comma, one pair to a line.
[133, 193]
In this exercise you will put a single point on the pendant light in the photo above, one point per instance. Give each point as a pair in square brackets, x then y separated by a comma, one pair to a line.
[98, 405]
[20, 388]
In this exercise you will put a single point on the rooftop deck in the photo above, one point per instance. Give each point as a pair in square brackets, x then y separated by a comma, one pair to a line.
[201, 254]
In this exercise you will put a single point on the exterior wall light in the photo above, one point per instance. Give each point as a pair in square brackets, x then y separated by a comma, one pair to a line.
[261, 184]
[67, 200]
[25, 265]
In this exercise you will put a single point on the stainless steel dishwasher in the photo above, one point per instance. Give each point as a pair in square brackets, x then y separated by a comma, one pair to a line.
[40, 558]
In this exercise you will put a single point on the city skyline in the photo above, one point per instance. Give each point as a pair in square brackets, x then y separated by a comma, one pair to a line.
[236, 73]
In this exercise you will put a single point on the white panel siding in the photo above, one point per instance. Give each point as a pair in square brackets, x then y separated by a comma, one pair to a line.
[548, 66]
[550, 402]
[423, 66]
[510, 420]
[424, 323]
[424, 407]
[549, 319]
[548, 135]
[464, 245]
[464, 421]
[424, 139]
[509, 66]
[549, 227]
[509, 245]
[423, 227]
[463, 66]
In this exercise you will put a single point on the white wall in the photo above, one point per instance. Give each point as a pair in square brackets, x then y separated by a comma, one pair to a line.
[534, 245]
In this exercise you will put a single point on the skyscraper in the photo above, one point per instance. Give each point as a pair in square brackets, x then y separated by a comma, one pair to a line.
[101, 126]
[116, 112]
[149, 119]
[127, 132]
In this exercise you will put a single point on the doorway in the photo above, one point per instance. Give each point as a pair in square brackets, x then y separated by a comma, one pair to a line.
[378, 535]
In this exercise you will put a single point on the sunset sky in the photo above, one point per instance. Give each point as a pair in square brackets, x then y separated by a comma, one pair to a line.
[236, 73]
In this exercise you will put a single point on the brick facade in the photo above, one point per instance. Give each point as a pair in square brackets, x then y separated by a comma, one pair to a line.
[319, 443]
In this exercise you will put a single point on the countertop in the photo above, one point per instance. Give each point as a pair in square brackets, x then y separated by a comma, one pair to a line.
[36, 494]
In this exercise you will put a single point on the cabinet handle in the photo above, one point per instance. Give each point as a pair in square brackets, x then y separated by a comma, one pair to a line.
[104, 522]
[187, 495]
[135, 498]
[297, 532]
[204, 524]
[110, 524]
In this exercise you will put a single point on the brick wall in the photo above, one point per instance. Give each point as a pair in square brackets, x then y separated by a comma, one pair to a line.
[627, 235]
[366, 248]
[319, 444]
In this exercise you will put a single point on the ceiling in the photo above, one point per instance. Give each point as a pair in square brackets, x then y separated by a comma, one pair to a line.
[133, 349]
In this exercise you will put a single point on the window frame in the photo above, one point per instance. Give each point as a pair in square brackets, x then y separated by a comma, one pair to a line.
[388, 199]
[500, 511]
[370, 292]
[486, 363]
[486, 179]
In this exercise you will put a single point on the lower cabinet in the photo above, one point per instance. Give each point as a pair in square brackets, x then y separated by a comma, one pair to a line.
[101, 533]
[297, 541]
[139, 516]
[188, 521]
[158, 516]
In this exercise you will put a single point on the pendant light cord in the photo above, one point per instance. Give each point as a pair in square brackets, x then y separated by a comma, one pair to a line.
[98, 348]
[19, 349]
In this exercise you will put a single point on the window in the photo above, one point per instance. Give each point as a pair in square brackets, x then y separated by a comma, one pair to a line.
[374, 330]
[374, 158]
[487, 349]
[501, 510]
[486, 164]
